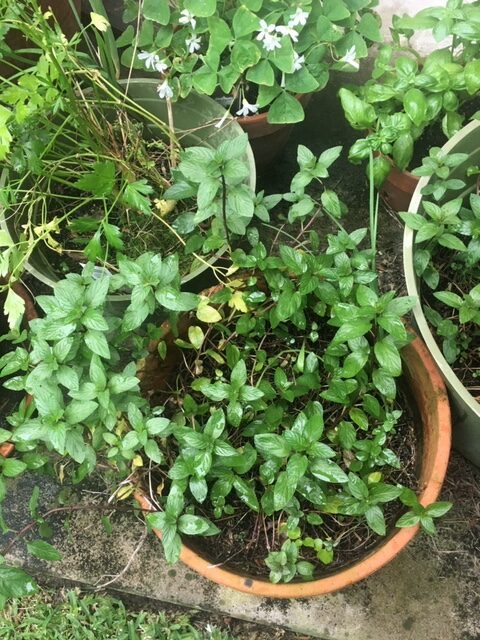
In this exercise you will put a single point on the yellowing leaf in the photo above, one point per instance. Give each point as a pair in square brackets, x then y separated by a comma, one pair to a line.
[206, 313]
[137, 462]
[124, 492]
[98, 21]
[233, 269]
[196, 336]
[237, 302]
[236, 284]
[5, 239]
[14, 308]
[165, 206]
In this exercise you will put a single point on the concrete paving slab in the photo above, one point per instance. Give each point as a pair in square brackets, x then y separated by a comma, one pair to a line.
[430, 591]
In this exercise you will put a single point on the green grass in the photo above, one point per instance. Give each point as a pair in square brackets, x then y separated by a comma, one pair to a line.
[73, 616]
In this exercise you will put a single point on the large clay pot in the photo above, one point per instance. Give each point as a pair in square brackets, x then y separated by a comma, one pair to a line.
[428, 391]
[465, 408]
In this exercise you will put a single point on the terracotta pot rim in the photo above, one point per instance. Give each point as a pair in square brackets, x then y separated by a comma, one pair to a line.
[379, 556]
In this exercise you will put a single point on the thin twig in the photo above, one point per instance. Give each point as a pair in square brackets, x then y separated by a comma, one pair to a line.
[127, 566]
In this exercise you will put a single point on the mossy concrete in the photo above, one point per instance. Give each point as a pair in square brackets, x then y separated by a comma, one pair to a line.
[430, 591]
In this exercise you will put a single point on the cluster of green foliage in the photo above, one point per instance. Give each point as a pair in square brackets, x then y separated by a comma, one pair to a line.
[75, 616]
[282, 337]
[447, 251]
[117, 192]
[269, 49]
[406, 94]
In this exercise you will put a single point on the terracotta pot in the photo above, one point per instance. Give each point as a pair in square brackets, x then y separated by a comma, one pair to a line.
[427, 388]
[268, 140]
[65, 17]
[398, 188]
[7, 448]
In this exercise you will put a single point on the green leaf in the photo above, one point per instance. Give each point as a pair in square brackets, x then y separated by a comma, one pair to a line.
[77, 411]
[43, 550]
[156, 10]
[403, 150]
[97, 343]
[328, 471]
[261, 73]
[369, 27]
[192, 525]
[153, 452]
[12, 468]
[438, 509]
[472, 77]
[359, 114]
[201, 8]
[376, 520]
[270, 444]
[244, 22]
[285, 109]
[388, 356]
[245, 54]
[14, 308]
[408, 519]
[15, 583]
[238, 377]
[351, 330]
[416, 106]
[135, 195]
[246, 493]
[176, 300]
[100, 181]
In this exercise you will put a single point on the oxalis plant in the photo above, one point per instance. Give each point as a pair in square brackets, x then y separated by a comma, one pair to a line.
[407, 94]
[254, 55]
[280, 408]
[447, 256]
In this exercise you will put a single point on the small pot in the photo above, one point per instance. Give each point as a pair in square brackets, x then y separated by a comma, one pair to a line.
[64, 16]
[268, 140]
[465, 408]
[427, 389]
[6, 449]
[398, 189]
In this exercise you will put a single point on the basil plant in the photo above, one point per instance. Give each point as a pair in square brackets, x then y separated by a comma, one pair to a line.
[405, 95]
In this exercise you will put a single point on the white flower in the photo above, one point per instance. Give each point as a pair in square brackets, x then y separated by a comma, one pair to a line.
[193, 43]
[298, 18]
[152, 61]
[288, 31]
[351, 58]
[247, 108]
[164, 90]
[270, 43]
[187, 18]
[298, 61]
[265, 30]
